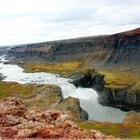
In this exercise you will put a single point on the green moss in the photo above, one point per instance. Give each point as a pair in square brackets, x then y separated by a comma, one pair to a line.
[122, 130]
[7, 88]
[13, 88]
[122, 79]
[65, 69]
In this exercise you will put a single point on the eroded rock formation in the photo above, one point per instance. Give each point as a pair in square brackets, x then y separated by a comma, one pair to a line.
[18, 121]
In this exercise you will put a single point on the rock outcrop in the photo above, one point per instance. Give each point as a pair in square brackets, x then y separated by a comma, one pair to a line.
[118, 97]
[18, 121]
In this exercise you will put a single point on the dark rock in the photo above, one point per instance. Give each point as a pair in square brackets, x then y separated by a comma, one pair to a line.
[117, 97]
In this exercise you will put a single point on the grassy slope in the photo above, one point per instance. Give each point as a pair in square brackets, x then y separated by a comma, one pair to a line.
[63, 68]
[122, 79]
[122, 130]
[23, 90]
[7, 88]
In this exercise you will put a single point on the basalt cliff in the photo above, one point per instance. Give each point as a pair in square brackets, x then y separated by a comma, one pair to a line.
[119, 96]
[119, 50]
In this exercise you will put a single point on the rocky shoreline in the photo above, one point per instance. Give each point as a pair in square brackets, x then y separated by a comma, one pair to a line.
[117, 97]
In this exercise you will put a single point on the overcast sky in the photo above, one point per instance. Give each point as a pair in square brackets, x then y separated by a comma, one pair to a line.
[26, 21]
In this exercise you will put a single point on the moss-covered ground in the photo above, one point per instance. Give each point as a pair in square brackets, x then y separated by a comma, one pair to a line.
[8, 88]
[122, 130]
[122, 79]
[65, 69]
[13, 88]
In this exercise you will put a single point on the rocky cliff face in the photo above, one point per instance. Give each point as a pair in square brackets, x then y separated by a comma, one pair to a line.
[118, 97]
[55, 51]
[122, 48]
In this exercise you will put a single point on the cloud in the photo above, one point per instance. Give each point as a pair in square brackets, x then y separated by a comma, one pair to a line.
[29, 21]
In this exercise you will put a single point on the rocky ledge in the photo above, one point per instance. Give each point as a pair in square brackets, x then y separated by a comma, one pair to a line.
[18, 121]
[120, 97]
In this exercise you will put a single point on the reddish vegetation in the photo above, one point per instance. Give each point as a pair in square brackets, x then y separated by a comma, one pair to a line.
[17, 121]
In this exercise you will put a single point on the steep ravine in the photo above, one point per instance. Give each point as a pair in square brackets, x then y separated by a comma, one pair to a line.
[117, 97]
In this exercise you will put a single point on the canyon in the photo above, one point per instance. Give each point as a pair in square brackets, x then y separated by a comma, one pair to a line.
[108, 64]
[117, 54]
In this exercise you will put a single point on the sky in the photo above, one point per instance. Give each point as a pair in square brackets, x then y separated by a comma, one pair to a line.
[30, 21]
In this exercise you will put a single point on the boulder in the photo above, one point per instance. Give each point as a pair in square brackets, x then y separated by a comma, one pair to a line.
[17, 121]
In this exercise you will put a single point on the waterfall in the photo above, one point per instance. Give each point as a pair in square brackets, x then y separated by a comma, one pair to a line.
[88, 97]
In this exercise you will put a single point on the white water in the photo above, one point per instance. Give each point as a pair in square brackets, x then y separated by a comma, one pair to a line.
[87, 96]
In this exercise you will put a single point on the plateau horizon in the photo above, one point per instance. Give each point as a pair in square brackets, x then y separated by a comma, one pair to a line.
[31, 21]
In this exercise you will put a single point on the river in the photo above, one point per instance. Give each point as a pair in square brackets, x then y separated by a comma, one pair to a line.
[87, 96]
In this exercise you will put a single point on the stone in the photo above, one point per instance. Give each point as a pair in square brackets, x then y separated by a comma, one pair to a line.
[35, 123]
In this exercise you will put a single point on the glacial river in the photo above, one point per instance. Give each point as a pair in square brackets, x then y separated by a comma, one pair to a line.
[87, 96]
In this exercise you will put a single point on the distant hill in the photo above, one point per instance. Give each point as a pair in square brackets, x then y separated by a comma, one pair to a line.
[121, 50]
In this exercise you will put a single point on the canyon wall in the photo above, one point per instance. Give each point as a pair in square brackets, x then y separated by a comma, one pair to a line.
[100, 51]
[118, 97]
